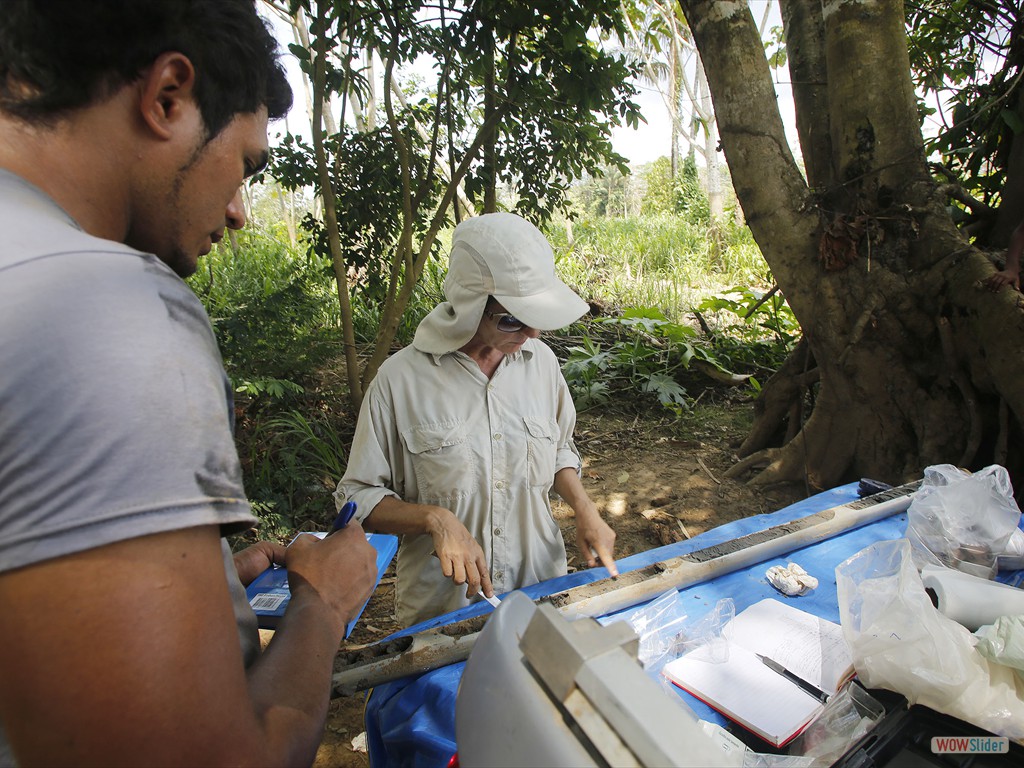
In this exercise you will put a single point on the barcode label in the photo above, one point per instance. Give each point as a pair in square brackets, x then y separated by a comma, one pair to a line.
[266, 601]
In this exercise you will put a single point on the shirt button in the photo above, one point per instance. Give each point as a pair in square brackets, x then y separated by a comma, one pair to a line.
[498, 575]
[500, 485]
[497, 531]
[497, 435]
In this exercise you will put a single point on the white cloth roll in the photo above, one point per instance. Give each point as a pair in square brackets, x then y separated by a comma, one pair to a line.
[970, 600]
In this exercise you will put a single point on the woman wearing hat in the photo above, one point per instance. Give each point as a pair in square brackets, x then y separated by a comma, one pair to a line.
[462, 435]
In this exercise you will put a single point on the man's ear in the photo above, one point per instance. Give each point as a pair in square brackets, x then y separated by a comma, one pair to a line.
[167, 92]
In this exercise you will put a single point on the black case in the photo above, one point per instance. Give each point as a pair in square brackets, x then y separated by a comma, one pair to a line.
[903, 739]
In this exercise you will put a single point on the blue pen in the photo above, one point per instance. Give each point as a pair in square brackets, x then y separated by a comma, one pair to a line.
[348, 509]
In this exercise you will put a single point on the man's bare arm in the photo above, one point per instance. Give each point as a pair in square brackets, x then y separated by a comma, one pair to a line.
[128, 654]
[1010, 274]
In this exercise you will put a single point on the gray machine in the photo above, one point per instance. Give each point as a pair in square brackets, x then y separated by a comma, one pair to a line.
[539, 690]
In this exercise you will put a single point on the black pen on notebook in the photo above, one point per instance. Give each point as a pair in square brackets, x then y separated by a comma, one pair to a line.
[348, 509]
[806, 686]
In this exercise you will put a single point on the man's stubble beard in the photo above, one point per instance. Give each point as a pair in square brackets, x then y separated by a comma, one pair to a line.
[177, 258]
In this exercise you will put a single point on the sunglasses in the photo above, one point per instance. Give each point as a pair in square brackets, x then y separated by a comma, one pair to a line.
[506, 323]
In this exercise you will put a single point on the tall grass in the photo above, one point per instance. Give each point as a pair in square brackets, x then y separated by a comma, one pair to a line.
[660, 261]
[273, 307]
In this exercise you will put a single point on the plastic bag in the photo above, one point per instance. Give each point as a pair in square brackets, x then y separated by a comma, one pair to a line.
[705, 636]
[666, 632]
[962, 520]
[1003, 642]
[738, 755]
[848, 716]
[659, 626]
[900, 641]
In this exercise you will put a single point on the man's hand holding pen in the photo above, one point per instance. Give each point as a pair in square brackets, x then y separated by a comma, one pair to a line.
[341, 568]
[345, 514]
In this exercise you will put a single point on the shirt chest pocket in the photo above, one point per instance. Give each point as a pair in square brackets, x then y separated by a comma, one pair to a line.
[443, 461]
[541, 450]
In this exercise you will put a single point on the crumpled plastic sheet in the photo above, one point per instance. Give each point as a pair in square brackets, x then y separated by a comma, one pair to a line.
[963, 520]
[1003, 642]
[901, 642]
[1012, 557]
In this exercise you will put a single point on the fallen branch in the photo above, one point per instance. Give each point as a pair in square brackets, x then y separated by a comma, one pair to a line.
[710, 474]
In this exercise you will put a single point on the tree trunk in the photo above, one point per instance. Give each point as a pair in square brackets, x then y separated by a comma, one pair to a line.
[490, 173]
[911, 358]
[804, 34]
[716, 198]
[1011, 212]
[320, 114]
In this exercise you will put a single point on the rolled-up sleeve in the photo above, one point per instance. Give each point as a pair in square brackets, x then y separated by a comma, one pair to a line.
[369, 476]
[567, 455]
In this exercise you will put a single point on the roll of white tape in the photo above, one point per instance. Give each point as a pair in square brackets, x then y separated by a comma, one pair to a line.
[970, 600]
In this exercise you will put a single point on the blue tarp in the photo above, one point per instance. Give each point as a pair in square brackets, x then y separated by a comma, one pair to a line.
[411, 722]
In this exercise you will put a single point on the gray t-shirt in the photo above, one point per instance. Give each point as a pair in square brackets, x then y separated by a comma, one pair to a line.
[115, 411]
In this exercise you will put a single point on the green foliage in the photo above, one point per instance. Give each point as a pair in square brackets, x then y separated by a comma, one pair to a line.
[293, 462]
[272, 310]
[683, 196]
[566, 95]
[968, 55]
[642, 353]
[752, 330]
[689, 198]
[365, 176]
[644, 358]
[775, 48]
[275, 389]
[653, 261]
[658, 197]
[608, 193]
[584, 370]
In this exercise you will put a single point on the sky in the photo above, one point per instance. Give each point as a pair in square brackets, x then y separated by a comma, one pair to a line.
[653, 139]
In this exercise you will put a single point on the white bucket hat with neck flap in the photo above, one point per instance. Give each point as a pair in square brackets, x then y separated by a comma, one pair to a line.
[504, 256]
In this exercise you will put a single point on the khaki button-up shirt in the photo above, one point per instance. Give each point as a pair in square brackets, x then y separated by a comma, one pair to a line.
[434, 430]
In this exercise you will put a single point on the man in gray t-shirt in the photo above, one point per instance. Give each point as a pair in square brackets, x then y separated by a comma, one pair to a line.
[125, 637]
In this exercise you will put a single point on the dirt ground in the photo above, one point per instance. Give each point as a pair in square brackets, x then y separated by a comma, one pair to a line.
[656, 483]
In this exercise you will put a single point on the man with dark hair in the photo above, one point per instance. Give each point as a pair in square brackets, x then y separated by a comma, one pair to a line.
[126, 130]
[58, 55]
